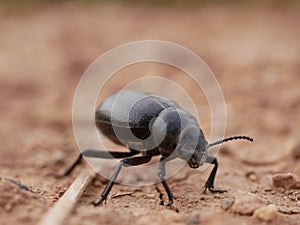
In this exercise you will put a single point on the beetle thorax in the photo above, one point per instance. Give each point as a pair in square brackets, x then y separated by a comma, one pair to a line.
[178, 135]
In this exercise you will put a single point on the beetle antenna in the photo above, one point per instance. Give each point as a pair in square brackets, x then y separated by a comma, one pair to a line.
[230, 139]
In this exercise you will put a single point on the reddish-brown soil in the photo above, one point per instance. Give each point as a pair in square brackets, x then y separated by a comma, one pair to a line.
[254, 53]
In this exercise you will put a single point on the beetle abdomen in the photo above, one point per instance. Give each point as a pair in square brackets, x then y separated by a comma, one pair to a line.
[126, 115]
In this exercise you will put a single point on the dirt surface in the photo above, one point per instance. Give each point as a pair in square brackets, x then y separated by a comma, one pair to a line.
[254, 53]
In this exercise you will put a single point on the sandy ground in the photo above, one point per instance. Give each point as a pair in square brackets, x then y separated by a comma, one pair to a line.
[254, 53]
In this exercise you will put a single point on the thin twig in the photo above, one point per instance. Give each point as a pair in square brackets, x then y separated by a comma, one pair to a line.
[117, 195]
[63, 207]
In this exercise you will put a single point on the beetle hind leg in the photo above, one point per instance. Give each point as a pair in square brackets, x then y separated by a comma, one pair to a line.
[211, 179]
[69, 168]
[95, 154]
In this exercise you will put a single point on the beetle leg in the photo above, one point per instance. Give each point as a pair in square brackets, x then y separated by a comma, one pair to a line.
[161, 174]
[96, 154]
[70, 168]
[126, 163]
[211, 179]
[107, 154]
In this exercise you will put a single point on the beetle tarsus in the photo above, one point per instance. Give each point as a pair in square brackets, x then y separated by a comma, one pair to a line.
[212, 190]
[211, 179]
[160, 196]
[100, 202]
[170, 202]
[169, 193]
[70, 168]
[161, 174]
[210, 187]
[216, 191]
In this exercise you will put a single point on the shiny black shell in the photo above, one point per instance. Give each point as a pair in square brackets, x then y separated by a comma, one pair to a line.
[133, 111]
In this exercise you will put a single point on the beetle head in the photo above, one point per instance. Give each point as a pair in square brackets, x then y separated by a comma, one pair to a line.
[191, 146]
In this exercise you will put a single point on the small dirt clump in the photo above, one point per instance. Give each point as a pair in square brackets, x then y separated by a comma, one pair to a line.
[246, 203]
[285, 180]
[266, 213]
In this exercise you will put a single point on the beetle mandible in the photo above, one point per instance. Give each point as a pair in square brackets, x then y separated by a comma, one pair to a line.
[151, 125]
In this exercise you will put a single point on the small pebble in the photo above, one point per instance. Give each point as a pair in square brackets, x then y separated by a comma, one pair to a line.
[173, 208]
[246, 203]
[268, 190]
[150, 196]
[284, 180]
[295, 151]
[59, 157]
[266, 213]
[195, 219]
[216, 196]
[251, 176]
[227, 203]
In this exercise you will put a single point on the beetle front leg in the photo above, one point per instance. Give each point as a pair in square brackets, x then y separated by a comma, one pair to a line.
[161, 174]
[211, 179]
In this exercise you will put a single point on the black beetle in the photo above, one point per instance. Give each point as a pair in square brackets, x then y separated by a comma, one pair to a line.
[151, 125]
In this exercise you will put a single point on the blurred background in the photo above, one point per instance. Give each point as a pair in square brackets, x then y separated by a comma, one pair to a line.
[252, 47]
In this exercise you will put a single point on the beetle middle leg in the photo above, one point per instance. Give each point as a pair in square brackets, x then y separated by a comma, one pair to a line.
[96, 154]
[211, 179]
[161, 174]
[126, 163]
